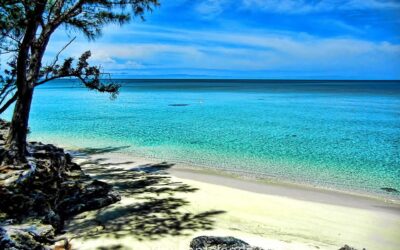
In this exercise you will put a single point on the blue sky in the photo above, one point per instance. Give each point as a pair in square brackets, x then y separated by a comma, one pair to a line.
[327, 39]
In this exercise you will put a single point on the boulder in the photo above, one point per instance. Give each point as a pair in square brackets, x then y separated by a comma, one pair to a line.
[219, 243]
[25, 236]
[347, 247]
[48, 189]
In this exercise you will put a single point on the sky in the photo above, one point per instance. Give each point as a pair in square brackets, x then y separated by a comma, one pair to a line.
[262, 39]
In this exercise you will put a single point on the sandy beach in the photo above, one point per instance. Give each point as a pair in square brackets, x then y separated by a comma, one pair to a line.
[165, 206]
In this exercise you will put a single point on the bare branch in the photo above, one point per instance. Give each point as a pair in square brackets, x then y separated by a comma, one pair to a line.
[4, 51]
[8, 103]
[13, 38]
[58, 54]
[6, 91]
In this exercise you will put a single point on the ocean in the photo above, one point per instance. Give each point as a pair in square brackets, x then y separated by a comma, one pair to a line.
[341, 135]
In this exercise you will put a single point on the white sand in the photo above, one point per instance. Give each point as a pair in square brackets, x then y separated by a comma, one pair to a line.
[268, 216]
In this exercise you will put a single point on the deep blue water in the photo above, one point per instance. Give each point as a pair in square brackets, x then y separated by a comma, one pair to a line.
[335, 134]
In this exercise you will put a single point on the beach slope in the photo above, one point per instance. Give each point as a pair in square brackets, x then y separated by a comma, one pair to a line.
[163, 207]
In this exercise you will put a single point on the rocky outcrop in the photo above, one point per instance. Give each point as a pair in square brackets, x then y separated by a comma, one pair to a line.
[48, 189]
[26, 236]
[347, 247]
[218, 243]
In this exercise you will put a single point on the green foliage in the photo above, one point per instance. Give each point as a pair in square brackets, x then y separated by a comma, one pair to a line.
[90, 76]
[94, 14]
[12, 13]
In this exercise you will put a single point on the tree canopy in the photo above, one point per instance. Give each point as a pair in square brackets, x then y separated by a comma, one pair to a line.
[85, 16]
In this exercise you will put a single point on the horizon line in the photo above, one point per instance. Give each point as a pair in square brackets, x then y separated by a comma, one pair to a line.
[242, 79]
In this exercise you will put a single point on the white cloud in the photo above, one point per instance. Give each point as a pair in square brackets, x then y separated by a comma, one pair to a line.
[371, 4]
[277, 5]
[102, 57]
[214, 50]
[134, 65]
[303, 6]
[137, 51]
[245, 51]
[211, 8]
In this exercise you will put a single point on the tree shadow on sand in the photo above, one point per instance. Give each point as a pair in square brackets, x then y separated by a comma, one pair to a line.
[103, 150]
[157, 210]
[113, 247]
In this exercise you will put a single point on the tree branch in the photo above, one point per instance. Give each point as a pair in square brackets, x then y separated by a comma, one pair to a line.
[67, 14]
[58, 54]
[6, 93]
[51, 79]
[8, 103]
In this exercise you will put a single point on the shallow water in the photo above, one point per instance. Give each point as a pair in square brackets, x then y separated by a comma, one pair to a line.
[334, 134]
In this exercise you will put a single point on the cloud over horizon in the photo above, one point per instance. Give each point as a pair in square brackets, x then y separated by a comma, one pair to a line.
[349, 39]
[303, 6]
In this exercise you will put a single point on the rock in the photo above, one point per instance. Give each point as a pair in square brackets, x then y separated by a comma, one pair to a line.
[219, 243]
[346, 247]
[25, 236]
[48, 189]
[50, 186]
[89, 196]
[4, 125]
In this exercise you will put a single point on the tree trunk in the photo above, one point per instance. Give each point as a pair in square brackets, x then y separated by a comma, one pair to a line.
[28, 66]
[16, 140]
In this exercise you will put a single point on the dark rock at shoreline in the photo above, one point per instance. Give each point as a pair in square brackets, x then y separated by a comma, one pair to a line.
[346, 247]
[48, 189]
[390, 190]
[218, 243]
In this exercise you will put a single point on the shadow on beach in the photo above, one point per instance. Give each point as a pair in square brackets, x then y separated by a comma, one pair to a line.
[150, 207]
[95, 151]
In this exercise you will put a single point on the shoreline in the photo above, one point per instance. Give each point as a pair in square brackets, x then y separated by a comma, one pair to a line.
[268, 179]
[269, 216]
[289, 190]
[234, 178]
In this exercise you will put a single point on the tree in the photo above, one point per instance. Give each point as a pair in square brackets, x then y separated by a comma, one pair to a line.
[26, 28]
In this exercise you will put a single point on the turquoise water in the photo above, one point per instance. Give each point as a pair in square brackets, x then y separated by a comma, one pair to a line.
[340, 135]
